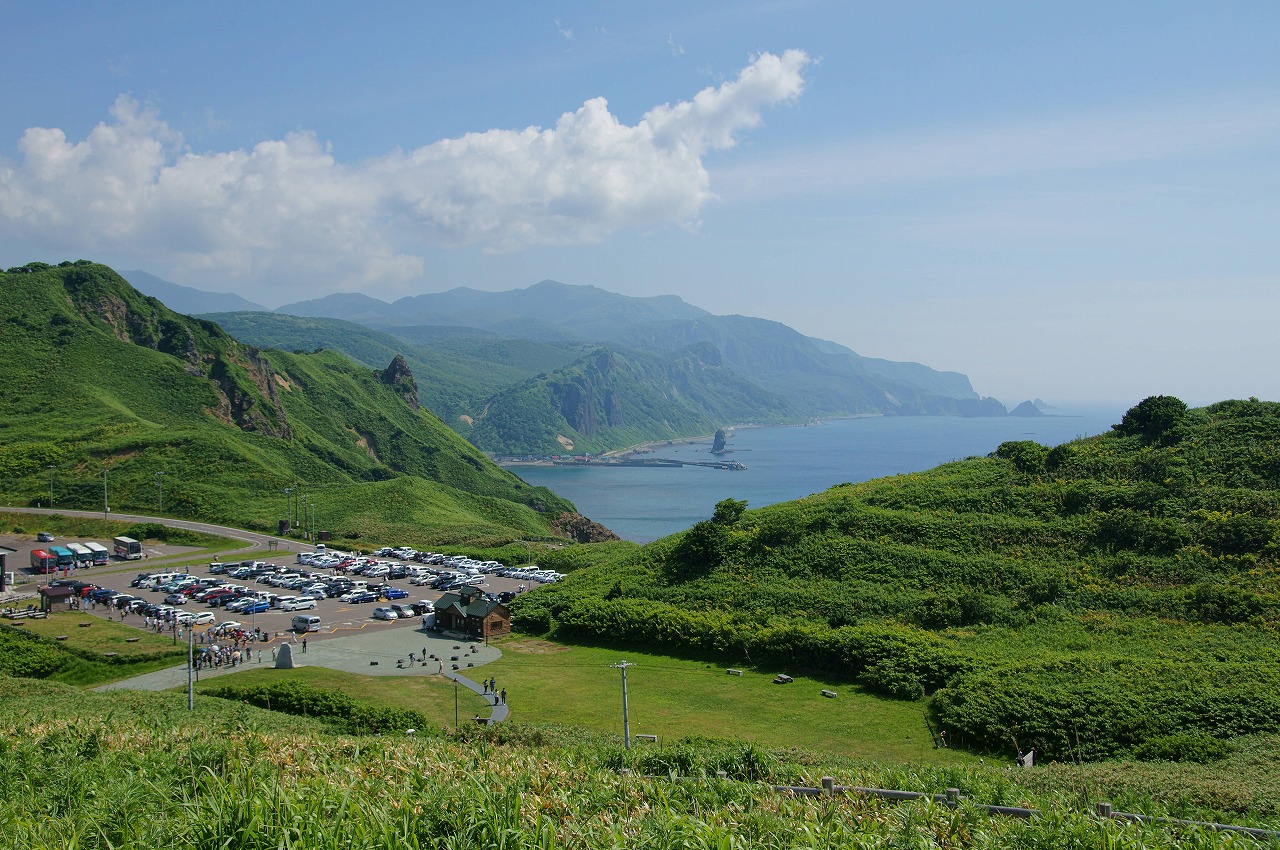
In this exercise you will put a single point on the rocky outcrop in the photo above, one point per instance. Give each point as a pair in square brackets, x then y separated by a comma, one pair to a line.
[399, 377]
[1027, 408]
[581, 530]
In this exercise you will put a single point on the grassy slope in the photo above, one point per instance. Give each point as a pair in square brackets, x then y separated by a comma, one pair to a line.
[1087, 601]
[82, 769]
[85, 399]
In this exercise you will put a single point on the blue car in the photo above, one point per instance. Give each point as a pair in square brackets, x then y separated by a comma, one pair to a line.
[395, 593]
[257, 607]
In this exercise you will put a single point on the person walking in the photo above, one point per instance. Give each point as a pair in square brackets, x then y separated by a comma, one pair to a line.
[304, 646]
[504, 696]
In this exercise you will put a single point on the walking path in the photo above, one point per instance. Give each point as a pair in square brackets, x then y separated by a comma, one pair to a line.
[381, 653]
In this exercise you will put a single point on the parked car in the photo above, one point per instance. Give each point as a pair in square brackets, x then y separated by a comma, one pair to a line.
[385, 614]
[298, 603]
[44, 537]
[175, 599]
[395, 593]
[364, 596]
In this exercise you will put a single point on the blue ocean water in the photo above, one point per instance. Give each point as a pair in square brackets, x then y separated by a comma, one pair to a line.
[786, 463]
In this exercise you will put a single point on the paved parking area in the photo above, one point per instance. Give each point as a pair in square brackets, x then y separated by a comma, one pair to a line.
[337, 618]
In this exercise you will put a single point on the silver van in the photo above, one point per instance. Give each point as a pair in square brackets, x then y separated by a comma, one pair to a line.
[306, 623]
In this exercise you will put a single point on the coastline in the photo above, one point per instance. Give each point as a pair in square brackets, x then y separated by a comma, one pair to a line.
[649, 446]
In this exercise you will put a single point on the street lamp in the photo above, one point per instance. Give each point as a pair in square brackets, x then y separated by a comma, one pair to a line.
[288, 507]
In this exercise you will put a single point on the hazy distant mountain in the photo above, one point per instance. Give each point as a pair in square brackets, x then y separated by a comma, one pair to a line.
[544, 310]
[351, 306]
[184, 299]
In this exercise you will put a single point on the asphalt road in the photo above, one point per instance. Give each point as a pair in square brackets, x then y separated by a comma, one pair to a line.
[253, 541]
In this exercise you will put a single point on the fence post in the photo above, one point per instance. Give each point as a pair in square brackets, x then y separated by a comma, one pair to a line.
[828, 785]
[953, 795]
[1104, 810]
[721, 774]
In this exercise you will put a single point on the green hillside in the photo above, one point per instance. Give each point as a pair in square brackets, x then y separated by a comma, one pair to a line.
[610, 399]
[1113, 596]
[99, 377]
[456, 368]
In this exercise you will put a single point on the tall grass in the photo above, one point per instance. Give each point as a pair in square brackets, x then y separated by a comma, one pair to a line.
[133, 770]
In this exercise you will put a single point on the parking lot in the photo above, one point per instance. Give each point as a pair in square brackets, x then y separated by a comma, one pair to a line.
[327, 583]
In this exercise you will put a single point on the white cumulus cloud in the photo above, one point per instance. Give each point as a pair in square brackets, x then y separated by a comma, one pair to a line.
[289, 208]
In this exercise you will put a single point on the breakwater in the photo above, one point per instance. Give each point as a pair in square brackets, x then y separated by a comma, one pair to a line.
[652, 462]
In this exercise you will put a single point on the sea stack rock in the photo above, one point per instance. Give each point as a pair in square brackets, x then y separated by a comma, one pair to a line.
[1027, 408]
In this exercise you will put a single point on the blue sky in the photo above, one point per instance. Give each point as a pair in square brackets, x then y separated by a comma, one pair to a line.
[1078, 201]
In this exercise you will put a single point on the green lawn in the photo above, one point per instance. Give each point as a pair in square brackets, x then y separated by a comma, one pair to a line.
[89, 633]
[669, 697]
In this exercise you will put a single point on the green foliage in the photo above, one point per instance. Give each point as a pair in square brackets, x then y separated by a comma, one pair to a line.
[346, 713]
[1154, 419]
[28, 656]
[1027, 456]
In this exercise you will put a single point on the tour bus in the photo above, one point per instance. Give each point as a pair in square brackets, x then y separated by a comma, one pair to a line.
[84, 558]
[43, 560]
[101, 555]
[127, 549]
[64, 558]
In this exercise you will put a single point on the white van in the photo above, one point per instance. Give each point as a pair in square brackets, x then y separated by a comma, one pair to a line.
[156, 579]
[306, 623]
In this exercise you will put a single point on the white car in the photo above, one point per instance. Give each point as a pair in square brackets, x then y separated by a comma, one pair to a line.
[385, 614]
[298, 603]
[229, 625]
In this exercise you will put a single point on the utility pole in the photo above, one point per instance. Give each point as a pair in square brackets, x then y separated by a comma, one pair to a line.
[51, 485]
[191, 652]
[160, 484]
[105, 509]
[626, 721]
